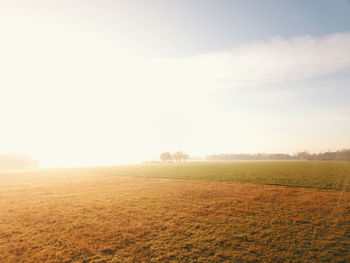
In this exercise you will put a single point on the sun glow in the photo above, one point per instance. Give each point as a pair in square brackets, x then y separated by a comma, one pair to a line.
[74, 94]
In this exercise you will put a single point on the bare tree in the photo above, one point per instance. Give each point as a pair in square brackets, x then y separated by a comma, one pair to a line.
[180, 156]
[185, 157]
[177, 156]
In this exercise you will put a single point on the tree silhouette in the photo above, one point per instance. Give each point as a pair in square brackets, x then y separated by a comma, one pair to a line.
[185, 157]
[166, 157]
[180, 156]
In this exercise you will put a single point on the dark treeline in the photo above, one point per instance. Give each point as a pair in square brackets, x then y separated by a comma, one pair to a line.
[17, 161]
[342, 155]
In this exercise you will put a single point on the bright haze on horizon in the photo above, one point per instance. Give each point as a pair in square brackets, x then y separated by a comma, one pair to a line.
[104, 82]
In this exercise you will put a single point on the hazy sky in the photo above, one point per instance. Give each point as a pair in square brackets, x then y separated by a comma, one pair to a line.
[103, 82]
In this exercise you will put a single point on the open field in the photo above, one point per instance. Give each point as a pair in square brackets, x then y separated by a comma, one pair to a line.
[310, 174]
[93, 215]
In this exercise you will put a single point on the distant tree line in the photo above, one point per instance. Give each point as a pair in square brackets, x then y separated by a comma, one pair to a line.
[342, 155]
[17, 161]
[175, 157]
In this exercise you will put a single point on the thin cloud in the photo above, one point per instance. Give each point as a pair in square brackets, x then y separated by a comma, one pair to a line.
[264, 62]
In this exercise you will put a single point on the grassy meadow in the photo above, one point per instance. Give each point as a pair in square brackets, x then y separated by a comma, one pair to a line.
[221, 212]
[308, 174]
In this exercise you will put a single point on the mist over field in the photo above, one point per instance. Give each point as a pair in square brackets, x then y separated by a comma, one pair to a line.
[174, 131]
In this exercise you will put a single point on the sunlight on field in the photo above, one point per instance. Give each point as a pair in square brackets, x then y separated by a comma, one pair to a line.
[92, 215]
[174, 131]
[315, 174]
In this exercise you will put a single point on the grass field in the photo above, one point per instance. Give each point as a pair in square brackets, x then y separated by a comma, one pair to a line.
[324, 175]
[222, 212]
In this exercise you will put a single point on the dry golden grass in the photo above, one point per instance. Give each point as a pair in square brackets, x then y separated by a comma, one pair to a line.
[82, 217]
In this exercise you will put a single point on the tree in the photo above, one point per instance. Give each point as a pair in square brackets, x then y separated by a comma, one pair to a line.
[166, 157]
[180, 156]
[185, 157]
[177, 156]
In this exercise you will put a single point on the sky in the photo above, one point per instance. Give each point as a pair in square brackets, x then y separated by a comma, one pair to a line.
[110, 82]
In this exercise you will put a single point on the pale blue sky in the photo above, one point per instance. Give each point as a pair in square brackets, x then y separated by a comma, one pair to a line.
[186, 27]
[210, 25]
[102, 82]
